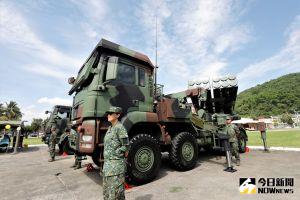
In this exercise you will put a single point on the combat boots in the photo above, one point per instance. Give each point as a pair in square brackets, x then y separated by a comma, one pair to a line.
[238, 162]
[78, 166]
[51, 160]
[75, 164]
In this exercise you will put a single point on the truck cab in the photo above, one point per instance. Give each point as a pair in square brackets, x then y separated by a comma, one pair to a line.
[60, 118]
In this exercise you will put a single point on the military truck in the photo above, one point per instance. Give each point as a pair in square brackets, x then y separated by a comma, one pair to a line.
[179, 123]
[60, 117]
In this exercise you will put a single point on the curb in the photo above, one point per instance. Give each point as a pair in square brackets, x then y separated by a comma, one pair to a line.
[274, 148]
[38, 145]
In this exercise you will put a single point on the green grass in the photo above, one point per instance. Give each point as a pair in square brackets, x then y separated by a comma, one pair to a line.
[276, 138]
[31, 141]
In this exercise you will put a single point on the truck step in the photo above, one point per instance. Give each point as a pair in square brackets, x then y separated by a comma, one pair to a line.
[218, 148]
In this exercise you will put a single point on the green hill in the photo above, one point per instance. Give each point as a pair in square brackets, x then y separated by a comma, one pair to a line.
[275, 97]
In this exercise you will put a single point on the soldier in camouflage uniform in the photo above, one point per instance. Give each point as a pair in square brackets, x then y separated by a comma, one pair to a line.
[52, 142]
[231, 131]
[116, 145]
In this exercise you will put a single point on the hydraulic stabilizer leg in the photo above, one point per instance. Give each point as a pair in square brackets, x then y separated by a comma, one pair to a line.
[228, 157]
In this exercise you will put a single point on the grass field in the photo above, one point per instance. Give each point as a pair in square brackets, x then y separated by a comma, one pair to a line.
[31, 141]
[276, 138]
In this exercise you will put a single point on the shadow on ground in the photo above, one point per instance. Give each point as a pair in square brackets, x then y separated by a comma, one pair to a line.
[21, 150]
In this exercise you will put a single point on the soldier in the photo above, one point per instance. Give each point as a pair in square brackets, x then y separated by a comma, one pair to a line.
[77, 156]
[262, 129]
[116, 146]
[52, 142]
[230, 130]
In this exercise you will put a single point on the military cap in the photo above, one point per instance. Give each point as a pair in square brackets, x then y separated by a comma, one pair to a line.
[228, 117]
[114, 109]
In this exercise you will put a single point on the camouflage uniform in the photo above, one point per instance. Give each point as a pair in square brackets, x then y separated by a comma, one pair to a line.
[230, 130]
[115, 145]
[52, 142]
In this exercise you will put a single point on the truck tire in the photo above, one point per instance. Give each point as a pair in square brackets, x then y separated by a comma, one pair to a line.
[96, 156]
[65, 147]
[184, 151]
[242, 144]
[144, 158]
[242, 141]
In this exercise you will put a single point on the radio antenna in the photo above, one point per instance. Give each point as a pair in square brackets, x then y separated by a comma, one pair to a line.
[155, 69]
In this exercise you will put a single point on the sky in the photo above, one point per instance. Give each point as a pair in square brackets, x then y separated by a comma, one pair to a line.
[43, 42]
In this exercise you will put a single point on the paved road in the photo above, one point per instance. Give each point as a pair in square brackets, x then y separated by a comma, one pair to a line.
[28, 175]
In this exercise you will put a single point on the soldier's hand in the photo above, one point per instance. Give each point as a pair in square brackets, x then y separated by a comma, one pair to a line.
[126, 154]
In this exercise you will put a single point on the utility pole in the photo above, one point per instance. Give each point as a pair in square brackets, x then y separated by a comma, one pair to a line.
[18, 137]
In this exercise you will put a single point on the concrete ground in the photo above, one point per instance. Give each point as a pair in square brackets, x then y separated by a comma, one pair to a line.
[28, 175]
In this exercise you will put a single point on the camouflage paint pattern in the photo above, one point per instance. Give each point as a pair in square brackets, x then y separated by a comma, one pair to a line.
[230, 130]
[116, 143]
[113, 187]
[94, 95]
[52, 145]
[60, 124]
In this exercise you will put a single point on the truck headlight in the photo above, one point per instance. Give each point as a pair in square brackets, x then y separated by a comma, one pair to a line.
[86, 145]
[87, 138]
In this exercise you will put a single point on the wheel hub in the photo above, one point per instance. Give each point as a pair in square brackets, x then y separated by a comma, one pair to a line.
[144, 159]
[187, 151]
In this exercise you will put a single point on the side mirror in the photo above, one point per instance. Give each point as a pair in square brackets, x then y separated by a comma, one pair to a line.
[71, 80]
[112, 66]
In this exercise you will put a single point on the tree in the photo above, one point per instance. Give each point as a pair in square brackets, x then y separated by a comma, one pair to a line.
[1, 109]
[27, 129]
[3, 116]
[44, 123]
[36, 124]
[13, 111]
[287, 118]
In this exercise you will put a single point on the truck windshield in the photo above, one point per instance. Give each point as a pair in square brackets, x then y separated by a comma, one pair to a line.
[85, 70]
[87, 66]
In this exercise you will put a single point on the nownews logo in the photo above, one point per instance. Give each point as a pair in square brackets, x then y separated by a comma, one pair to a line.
[247, 186]
[266, 186]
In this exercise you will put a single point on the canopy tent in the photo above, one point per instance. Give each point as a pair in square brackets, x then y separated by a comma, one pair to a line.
[13, 124]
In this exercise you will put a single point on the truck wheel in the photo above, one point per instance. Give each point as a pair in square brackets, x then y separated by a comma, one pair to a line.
[96, 156]
[242, 144]
[143, 159]
[65, 147]
[184, 151]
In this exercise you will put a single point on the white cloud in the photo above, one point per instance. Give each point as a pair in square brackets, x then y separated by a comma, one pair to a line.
[97, 20]
[16, 34]
[99, 8]
[31, 111]
[55, 101]
[50, 71]
[207, 25]
[194, 38]
[287, 60]
[38, 111]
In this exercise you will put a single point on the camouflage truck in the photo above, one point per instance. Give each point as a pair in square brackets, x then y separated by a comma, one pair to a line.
[179, 123]
[60, 117]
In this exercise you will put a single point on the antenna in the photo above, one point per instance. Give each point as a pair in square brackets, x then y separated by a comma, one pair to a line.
[155, 69]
